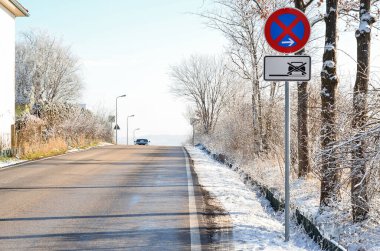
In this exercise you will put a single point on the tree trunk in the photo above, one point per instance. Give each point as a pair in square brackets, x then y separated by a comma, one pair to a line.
[302, 116]
[359, 198]
[256, 124]
[257, 107]
[330, 171]
[267, 136]
[303, 133]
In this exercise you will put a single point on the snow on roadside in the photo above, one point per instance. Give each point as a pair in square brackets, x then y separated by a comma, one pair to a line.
[334, 223]
[71, 150]
[255, 225]
[105, 144]
[10, 162]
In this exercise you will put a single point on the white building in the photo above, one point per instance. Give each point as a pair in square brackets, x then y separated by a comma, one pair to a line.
[9, 10]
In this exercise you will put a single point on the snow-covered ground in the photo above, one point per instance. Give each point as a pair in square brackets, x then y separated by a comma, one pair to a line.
[9, 162]
[104, 144]
[86, 148]
[334, 223]
[255, 225]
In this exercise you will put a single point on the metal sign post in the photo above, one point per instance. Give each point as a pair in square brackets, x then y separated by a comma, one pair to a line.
[287, 159]
[285, 68]
[287, 30]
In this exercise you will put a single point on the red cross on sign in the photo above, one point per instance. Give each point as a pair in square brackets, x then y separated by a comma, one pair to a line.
[287, 30]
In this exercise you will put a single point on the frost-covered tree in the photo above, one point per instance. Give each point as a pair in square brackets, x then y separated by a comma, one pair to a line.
[242, 22]
[329, 78]
[207, 83]
[359, 180]
[46, 70]
[302, 111]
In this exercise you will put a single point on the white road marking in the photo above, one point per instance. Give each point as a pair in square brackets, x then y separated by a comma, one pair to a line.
[194, 225]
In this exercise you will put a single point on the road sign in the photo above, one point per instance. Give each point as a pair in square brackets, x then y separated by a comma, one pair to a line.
[111, 119]
[287, 68]
[287, 30]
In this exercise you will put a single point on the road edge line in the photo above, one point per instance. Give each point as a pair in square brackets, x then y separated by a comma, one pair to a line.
[195, 236]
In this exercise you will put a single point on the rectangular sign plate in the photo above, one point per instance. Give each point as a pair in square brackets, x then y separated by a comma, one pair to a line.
[287, 68]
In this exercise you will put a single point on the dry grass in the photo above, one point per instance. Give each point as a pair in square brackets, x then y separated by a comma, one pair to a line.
[33, 143]
[59, 129]
[55, 146]
[52, 147]
[5, 159]
[82, 143]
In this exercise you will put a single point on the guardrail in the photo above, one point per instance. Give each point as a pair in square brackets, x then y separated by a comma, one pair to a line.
[278, 204]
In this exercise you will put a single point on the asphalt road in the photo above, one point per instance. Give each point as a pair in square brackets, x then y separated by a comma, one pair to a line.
[110, 198]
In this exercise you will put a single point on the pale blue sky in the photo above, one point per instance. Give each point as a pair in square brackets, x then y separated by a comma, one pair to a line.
[127, 46]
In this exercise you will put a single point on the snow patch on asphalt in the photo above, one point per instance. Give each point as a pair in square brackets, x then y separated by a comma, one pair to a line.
[255, 225]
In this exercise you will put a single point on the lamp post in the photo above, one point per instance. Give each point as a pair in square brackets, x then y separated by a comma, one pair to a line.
[130, 116]
[134, 134]
[116, 126]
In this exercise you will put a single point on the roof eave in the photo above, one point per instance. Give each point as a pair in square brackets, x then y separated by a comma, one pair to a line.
[15, 8]
[21, 8]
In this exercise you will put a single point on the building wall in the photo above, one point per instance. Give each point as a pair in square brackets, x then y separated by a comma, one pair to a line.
[7, 76]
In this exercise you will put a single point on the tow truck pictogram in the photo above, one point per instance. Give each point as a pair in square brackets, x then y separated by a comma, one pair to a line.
[295, 67]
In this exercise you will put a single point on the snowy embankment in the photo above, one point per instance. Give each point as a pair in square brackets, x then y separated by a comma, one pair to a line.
[334, 223]
[255, 225]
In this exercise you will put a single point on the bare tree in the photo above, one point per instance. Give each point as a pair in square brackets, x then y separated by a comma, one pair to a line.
[207, 83]
[359, 180]
[330, 171]
[242, 22]
[46, 71]
[302, 112]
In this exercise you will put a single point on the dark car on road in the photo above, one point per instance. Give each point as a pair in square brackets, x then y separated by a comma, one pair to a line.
[142, 142]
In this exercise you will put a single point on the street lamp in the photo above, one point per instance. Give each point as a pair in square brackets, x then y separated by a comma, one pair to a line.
[134, 139]
[130, 116]
[116, 126]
